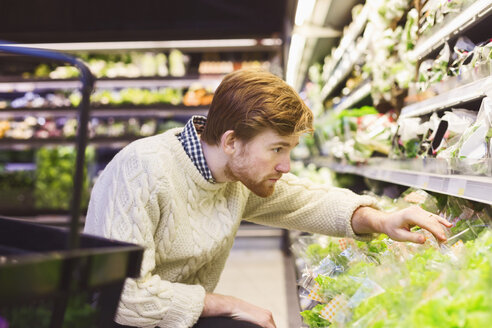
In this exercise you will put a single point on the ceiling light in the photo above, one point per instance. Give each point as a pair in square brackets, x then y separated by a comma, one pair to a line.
[295, 55]
[178, 44]
[304, 11]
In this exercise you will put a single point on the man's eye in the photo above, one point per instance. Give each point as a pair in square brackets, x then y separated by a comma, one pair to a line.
[277, 150]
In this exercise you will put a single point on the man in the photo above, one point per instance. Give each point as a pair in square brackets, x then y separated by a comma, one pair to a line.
[182, 195]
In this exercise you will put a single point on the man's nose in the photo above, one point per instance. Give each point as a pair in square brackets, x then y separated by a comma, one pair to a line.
[283, 166]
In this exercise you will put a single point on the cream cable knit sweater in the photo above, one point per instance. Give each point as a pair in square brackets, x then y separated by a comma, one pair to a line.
[151, 194]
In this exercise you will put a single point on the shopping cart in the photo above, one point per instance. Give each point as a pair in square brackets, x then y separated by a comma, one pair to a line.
[53, 277]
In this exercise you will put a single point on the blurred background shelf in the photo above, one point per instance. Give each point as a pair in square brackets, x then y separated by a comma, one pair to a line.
[158, 111]
[17, 84]
[96, 141]
[356, 96]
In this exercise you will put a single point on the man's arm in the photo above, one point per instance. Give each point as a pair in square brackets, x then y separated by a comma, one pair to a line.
[217, 305]
[396, 225]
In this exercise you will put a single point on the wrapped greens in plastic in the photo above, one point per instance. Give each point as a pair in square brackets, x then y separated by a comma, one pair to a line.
[472, 152]
[384, 283]
[390, 10]
[463, 49]
[409, 35]
[177, 63]
[433, 71]
[440, 65]
[374, 134]
[434, 12]
[458, 121]
[409, 137]
[313, 317]
[481, 61]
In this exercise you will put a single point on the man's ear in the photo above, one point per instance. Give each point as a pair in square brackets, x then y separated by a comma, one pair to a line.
[228, 142]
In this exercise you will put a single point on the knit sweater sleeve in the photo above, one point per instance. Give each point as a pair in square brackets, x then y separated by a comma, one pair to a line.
[303, 205]
[126, 205]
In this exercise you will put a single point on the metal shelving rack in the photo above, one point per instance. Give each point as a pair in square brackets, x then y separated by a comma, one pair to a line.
[158, 111]
[26, 85]
[427, 174]
[357, 95]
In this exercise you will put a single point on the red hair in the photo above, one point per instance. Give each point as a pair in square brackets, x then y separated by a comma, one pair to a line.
[249, 101]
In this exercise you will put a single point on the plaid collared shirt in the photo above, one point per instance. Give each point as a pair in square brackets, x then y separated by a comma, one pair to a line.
[191, 144]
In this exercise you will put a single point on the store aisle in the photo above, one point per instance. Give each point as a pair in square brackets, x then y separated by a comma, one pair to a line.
[256, 272]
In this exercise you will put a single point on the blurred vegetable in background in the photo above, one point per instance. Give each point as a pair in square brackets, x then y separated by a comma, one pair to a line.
[54, 177]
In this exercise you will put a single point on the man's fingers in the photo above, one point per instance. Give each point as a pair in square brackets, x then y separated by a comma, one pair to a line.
[444, 222]
[431, 222]
[405, 235]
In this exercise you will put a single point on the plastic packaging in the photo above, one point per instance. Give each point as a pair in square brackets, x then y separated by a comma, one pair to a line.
[383, 283]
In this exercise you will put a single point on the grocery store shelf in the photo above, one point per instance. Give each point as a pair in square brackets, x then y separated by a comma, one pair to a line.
[353, 32]
[468, 92]
[464, 20]
[96, 141]
[157, 111]
[26, 85]
[356, 96]
[343, 70]
[419, 174]
[12, 167]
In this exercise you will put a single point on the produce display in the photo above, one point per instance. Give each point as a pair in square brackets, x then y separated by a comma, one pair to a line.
[130, 65]
[321, 175]
[383, 55]
[383, 283]
[43, 178]
[16, 186]
[54, 177]
[195, 95]
[388, 62]
[143, 64]
[465, 140]
[224, 67]
[45, 127]
[461, 137]
[464, 63]
[435, 11]
[355, 135]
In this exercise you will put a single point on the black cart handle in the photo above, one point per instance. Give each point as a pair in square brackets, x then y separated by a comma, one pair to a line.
[87, 80]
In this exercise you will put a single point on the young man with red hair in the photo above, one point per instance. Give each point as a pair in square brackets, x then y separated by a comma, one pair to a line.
[182, 195]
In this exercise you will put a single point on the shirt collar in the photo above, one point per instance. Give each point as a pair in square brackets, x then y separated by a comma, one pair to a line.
[191, 143]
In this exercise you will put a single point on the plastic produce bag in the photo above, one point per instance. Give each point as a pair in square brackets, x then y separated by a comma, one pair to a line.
[424, 76]
[463, 49]
[177, 63]
[473, 149]
[409, 137]
[440, 65]
[458, 121]
[411, 285]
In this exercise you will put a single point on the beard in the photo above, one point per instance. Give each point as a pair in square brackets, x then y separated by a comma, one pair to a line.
[239, 169]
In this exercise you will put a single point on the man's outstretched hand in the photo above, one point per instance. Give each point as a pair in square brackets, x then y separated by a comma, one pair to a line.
[397, 225]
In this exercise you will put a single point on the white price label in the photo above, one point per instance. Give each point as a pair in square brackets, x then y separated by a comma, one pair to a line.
[423, 181]
[457, 187]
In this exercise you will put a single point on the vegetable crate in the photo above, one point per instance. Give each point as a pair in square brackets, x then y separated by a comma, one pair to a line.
[54, 278]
